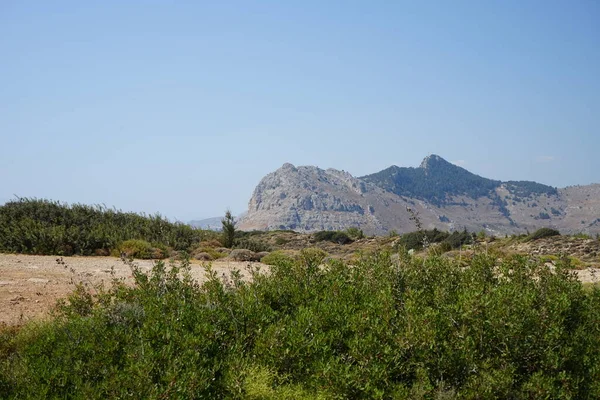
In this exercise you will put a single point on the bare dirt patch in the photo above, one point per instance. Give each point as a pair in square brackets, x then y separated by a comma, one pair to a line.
[31, 285]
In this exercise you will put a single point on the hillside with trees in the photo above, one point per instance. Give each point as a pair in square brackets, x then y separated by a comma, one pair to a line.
[436, 181]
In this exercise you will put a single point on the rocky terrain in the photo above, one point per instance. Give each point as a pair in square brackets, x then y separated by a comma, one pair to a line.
[444, 196]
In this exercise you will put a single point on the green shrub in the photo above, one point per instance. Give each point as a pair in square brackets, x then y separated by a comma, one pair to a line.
[456, 239]
[332, 236]
[322, 236]
[355, 233]
[261, 384]
[414, 328]
[251, 244]
[136, 249]
[543, 233]
[45, 227]
[279, 257]
[312, 256]
[415, 240]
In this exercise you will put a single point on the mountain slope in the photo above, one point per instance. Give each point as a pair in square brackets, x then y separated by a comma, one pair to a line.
[444, 195]
[309, 198]
[436, 181]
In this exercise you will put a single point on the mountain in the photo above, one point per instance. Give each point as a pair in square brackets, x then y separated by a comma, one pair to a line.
[213, 223]
[444, 195]
[435, 181]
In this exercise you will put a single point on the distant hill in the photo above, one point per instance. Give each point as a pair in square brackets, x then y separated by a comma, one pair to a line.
[444, 195]
[213, 223]
[437, 181]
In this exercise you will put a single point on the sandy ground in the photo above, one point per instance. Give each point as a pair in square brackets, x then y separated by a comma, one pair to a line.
[30, 285]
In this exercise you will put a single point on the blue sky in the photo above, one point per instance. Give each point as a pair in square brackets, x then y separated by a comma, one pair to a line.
[182, 107]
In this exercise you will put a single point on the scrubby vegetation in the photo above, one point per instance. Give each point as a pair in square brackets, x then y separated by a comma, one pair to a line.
[521, 189]
[434, 184]
[136, 248]
[448, 241]
[441, 179]
[34, 226]
[278, 257]
[543, 233]
[383, 329]
[338, 237]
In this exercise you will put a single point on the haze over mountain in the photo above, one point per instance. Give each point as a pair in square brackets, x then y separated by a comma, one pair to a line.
[444, 195]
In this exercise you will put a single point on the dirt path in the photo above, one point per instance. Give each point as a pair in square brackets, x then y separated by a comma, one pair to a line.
[30, 285]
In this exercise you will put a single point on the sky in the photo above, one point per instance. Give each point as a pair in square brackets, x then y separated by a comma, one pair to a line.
[181, 107]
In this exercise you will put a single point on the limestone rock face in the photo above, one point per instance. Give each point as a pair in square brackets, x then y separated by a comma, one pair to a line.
[308, 199]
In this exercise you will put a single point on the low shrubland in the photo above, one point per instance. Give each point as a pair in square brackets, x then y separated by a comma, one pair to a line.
[33, 226]
[382, 328]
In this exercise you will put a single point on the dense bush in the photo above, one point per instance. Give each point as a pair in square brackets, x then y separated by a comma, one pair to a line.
[355, 233]
[279, 257]
[414, 240]
[456, 239]
[543, 232]
[332, 236]
[251, 244]
[48, 227]
[448, 241]
[136, 248]
[415, 328]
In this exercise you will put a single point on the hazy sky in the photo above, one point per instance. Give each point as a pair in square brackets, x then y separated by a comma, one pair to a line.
[181, 107]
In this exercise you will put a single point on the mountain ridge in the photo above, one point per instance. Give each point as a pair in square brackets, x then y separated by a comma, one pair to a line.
[446, 196]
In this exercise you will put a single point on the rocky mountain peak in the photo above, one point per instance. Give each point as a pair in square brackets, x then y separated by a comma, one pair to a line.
[434, 161]
[446, 196]
[287, 167]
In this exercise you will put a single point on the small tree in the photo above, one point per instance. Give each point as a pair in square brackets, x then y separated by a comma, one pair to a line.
[228, 229]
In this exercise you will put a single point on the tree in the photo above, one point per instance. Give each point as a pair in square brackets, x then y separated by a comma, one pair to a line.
[228, 229]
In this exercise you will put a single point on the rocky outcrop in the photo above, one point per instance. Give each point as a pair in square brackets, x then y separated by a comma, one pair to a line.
[308, 199]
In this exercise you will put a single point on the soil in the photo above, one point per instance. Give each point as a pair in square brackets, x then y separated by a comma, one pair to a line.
[31, 285]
